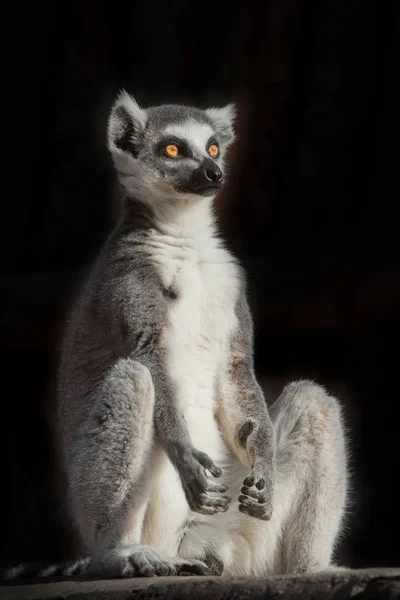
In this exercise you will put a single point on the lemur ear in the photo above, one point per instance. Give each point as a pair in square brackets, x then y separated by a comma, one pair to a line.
[223, 119]
[126, 124]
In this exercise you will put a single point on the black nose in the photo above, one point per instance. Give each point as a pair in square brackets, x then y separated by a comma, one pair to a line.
[213, 174]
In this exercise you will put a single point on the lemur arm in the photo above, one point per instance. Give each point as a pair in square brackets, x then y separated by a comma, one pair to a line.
[243, 414]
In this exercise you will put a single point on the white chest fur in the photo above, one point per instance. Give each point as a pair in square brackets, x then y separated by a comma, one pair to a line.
[200, 322]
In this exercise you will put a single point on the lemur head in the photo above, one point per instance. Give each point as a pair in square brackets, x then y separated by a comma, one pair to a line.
[169, 152]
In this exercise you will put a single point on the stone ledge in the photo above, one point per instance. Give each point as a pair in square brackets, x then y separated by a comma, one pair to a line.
[367, 584]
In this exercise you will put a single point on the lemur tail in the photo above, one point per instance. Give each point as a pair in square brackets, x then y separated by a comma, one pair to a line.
[44, 570]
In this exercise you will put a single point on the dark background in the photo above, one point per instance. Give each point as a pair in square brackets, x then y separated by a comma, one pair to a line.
[310, 209]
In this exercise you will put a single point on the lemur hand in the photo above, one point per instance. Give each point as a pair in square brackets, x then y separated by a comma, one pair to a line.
[196, 485]
[257, 491]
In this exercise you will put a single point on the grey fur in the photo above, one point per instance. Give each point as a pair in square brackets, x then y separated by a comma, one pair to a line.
[117, 400]
[111, 346]
[113, 369]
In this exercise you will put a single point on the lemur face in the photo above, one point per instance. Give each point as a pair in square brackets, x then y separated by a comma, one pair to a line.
[170, 149]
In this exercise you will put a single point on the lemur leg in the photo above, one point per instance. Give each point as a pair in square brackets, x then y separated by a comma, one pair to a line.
[109, 476]
[311, 475]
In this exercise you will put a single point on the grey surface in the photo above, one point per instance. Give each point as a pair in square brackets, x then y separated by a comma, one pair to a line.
[369, 584]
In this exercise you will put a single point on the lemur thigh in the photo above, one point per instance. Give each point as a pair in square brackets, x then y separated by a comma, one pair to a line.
[311, 475]
[109, 476]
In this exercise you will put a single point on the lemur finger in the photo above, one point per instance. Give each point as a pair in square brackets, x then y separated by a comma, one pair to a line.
[144, 567]
[214, 501]
[219, 488]
[164, 569]
[246, 501]
[260, 484]
[259, 496]
[208, 464]
[255, 478]
[250, 480]
[211, 510]
[192, 567]
[253, 509]
[253, 512]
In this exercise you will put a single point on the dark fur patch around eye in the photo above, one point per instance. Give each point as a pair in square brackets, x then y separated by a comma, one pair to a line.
[183, 147]
[124, 140]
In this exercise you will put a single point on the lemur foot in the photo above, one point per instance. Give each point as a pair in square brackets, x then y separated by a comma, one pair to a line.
[191, 567]
[213, 561]
[143, 561]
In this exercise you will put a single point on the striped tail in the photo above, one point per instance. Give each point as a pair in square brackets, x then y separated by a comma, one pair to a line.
[44, 570]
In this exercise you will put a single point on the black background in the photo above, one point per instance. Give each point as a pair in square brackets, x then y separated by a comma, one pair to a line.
[310, 208]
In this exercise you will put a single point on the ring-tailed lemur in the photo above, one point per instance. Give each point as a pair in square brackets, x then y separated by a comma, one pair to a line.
[157, 387]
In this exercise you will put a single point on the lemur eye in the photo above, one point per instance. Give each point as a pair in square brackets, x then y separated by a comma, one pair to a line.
[213, 150]
[171, 149]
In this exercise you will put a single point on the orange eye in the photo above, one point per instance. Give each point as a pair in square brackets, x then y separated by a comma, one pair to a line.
[213, 150]
[171, 149]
